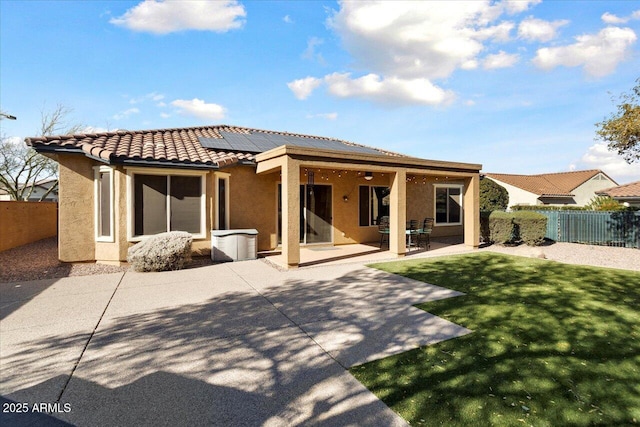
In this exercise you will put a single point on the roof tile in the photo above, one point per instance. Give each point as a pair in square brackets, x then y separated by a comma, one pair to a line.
[180, 145]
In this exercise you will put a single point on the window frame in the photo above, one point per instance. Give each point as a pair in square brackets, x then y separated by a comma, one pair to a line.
[221, 176]
[167, 173]
[97, 171]
[435, 206]
[369, 203]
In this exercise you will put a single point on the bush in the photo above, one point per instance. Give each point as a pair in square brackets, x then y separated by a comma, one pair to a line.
[516, 227]
[501, 227]
[164, 251]
[547, 208]
[485, 232]
[493, 197]
[531, 227]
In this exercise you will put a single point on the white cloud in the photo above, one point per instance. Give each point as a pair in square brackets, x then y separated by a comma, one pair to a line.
[599, 54]
[387, 89]
[518, 6]
[165, 115]
[327, 116]
[599, 157]
[539, 30]
[126, 113]
[162, 17]
[198, 108]
[420, 39]
[310, 52]
[153, 96]
[609, 18]
[302, 88]
[287, 19]
[500, 60]
[403, 46]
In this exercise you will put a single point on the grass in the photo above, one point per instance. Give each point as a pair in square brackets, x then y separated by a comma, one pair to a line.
[552, 345]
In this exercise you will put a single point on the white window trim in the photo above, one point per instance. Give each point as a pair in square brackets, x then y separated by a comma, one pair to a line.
[131, 171]
[218, 176]
[97, 170]
[435, 198]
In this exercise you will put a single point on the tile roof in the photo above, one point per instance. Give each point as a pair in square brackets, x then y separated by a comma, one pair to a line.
[548, 184]
[630, 190]
[175, 147]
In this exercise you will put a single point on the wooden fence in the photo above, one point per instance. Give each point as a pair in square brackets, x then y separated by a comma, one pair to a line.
[26, 222]
[620, 228]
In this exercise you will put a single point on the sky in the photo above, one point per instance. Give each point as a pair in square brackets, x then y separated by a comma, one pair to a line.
[517, 86]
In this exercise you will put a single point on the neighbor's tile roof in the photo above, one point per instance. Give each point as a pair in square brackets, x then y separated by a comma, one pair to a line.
[549, 184]
[172, 146]
[629, 190]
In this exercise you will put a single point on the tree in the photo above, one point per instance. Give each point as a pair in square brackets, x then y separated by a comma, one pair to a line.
[604, 203]
[21, 167]
[621, 131]
[493, 197]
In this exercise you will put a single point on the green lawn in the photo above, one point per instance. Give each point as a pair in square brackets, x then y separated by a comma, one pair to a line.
[552, 345]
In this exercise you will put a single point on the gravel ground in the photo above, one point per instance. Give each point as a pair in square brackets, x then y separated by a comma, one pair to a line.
[39, 260]
[574, 253]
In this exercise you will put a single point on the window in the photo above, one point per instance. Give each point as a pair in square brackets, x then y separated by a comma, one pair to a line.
[448, 204]
[103, 196]
[167, 203]
[374, 204]
[222, 202]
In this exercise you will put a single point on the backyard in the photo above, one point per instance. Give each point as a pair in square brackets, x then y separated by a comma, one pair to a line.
[552, 344]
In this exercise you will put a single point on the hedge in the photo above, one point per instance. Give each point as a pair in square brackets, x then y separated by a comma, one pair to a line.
[501, 227]
[531, 227]
[547, 208]
[514, 227]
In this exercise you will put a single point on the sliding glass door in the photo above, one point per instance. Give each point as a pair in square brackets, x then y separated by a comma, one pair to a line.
[315, 214]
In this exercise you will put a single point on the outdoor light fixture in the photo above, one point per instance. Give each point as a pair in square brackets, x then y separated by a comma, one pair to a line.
[8, 116]
[368, 176]
[345, 198]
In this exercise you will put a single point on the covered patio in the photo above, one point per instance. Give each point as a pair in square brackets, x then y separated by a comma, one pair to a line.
[412, 194]
[324, 255]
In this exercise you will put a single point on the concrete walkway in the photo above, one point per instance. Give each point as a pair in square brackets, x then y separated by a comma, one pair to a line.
[232, 345]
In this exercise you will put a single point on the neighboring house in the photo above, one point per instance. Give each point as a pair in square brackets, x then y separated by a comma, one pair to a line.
[118, 187]
[628, 194]
[38, 189]
[565, 188]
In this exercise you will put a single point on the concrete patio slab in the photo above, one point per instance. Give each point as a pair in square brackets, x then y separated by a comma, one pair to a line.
[228, 344]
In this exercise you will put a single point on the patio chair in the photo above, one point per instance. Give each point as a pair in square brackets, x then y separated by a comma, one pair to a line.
[424, 234]
[383, 229]
[412, 233]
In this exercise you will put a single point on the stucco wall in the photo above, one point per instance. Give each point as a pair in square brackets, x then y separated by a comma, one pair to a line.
[587, 191]
[518, 196]
[26, 222]
[253, 203]
[76, 240]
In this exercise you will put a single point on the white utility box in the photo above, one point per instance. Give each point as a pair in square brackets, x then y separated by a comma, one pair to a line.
[234, 245]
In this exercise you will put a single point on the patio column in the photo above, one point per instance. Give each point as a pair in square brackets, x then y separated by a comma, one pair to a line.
[291, 212]
[471, 204]
[398, 213]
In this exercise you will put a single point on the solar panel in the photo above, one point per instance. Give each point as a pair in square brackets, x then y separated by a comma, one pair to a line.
[258, 142]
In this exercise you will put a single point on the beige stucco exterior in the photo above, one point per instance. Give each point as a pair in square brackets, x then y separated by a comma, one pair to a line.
[253, 197]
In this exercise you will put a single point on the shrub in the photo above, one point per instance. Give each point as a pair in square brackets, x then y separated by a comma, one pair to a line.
[485, 232]
[547, 208]
[531, 227]
[164, 251]
[493, 197]
[501, 227]
[605, 203]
